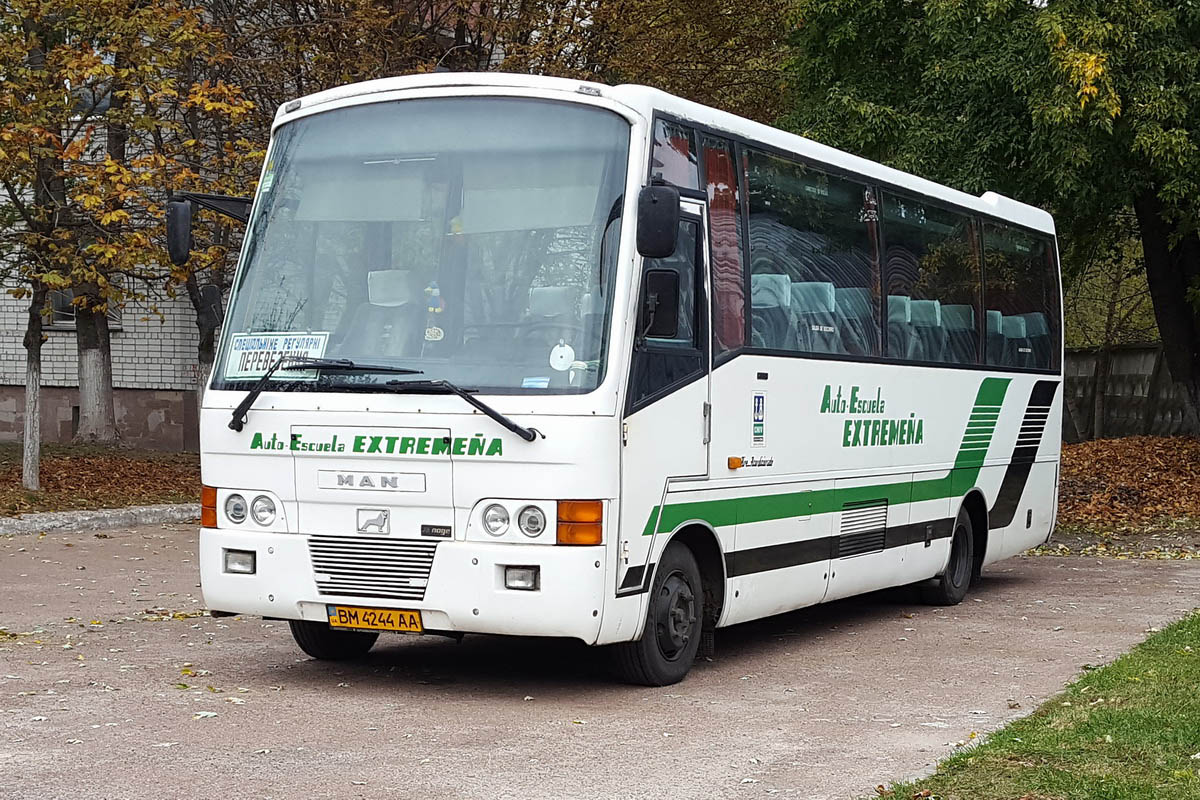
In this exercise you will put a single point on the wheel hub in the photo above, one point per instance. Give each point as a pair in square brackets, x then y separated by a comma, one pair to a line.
[675, 620]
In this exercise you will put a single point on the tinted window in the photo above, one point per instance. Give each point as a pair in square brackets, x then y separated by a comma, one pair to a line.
[1021, 293]
[814, 282]
[673, 158]
[661, 363]
[461, 236]
[725, 221]
[933, 282]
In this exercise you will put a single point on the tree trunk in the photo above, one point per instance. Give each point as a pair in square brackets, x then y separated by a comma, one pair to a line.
[207, 323]
[1172, 268]
[97, 417]
[31, 458]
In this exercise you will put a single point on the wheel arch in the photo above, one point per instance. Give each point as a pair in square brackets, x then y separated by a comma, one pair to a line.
[699, 537]
[975, 505]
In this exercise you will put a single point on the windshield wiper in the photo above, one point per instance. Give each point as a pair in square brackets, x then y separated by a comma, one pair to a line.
[286, 362]
[528, 434]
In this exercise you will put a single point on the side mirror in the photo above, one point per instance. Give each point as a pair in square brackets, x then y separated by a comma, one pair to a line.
[660, 304]
[179, 231]
[210, 304]
[657, 221]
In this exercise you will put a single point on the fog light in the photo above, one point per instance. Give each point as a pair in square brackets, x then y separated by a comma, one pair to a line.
[523, 578]
[235, 508]
[263, 510]
[240, 562]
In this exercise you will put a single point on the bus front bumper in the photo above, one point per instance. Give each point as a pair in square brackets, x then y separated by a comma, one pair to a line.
[466, 591]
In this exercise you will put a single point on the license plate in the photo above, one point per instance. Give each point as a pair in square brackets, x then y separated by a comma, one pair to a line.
[374, 619]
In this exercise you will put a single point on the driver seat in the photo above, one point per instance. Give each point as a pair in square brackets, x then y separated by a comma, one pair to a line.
[390, 323]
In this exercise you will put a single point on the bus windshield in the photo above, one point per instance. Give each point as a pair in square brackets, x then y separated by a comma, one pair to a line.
[471, 238]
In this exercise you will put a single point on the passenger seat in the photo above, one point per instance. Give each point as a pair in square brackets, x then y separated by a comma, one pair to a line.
[995, 337]
[961, 333]
[856, 320]
[926, 317]
[1017, 352]
[813, 305]
[770, 312]
[1038, 333]
[902, 343]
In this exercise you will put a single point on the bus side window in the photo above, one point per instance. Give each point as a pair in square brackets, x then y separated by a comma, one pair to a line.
[932, 261]
[725, 244]
[673, 158]
[1021, 294]
[816, 233]
[660, 363]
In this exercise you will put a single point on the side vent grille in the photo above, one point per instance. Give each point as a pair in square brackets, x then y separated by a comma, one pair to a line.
[361, 566]
[864, 528]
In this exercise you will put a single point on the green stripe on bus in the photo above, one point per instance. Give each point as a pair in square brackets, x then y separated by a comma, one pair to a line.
[765, 508]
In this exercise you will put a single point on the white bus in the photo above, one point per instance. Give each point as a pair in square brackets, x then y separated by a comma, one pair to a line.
[528, 356]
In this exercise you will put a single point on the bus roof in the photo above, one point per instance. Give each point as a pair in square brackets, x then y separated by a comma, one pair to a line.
[646, 101]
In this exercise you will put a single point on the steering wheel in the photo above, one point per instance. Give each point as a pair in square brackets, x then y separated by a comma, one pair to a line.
[535, 327]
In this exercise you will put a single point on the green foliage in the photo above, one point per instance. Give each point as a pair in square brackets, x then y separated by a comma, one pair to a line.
[1078, 106]
[1106, 298]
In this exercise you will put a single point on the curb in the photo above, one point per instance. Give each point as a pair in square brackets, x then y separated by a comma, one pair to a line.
[99, 519]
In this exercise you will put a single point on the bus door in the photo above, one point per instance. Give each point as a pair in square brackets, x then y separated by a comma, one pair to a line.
[667, 423]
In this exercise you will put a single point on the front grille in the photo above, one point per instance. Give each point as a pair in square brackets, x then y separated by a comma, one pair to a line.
[361, 566]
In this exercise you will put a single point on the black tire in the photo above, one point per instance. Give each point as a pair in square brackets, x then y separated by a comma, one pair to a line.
[674, 619]
[949, 588]
[329, 644]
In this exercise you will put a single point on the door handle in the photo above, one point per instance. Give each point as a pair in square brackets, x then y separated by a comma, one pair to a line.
[707, 422]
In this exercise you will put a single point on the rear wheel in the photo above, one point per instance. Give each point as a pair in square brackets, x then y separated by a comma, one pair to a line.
[674, 619]
[329, 644]
[949, 588]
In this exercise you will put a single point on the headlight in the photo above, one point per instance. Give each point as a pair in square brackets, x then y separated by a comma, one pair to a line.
[235, 508]
[263, 510]
[531, 521]
[495, 519]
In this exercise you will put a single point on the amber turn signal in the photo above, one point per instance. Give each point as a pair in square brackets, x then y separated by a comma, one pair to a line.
[208, 507]
[734, 462]
[580, 522]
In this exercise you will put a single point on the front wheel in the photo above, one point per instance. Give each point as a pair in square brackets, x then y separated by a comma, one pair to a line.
[674, 620]
[329, 644]
[949, 588]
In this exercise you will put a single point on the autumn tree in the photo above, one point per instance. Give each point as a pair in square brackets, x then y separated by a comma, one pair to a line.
[724, 53]
[90, 110]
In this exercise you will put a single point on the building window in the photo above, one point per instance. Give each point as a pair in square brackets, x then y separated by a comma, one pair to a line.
[62, 311]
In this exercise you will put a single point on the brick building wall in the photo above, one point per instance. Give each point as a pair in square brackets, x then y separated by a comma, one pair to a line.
[154, 372]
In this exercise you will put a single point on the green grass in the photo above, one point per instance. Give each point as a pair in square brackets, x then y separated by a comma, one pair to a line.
[1127, 731]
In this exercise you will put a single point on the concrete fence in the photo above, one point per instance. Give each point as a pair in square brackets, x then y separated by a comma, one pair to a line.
[1123, 391]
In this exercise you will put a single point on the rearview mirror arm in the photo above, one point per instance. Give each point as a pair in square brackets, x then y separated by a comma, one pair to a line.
[234, 207]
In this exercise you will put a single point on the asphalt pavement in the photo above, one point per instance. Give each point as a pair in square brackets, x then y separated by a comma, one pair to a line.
[114, 684]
